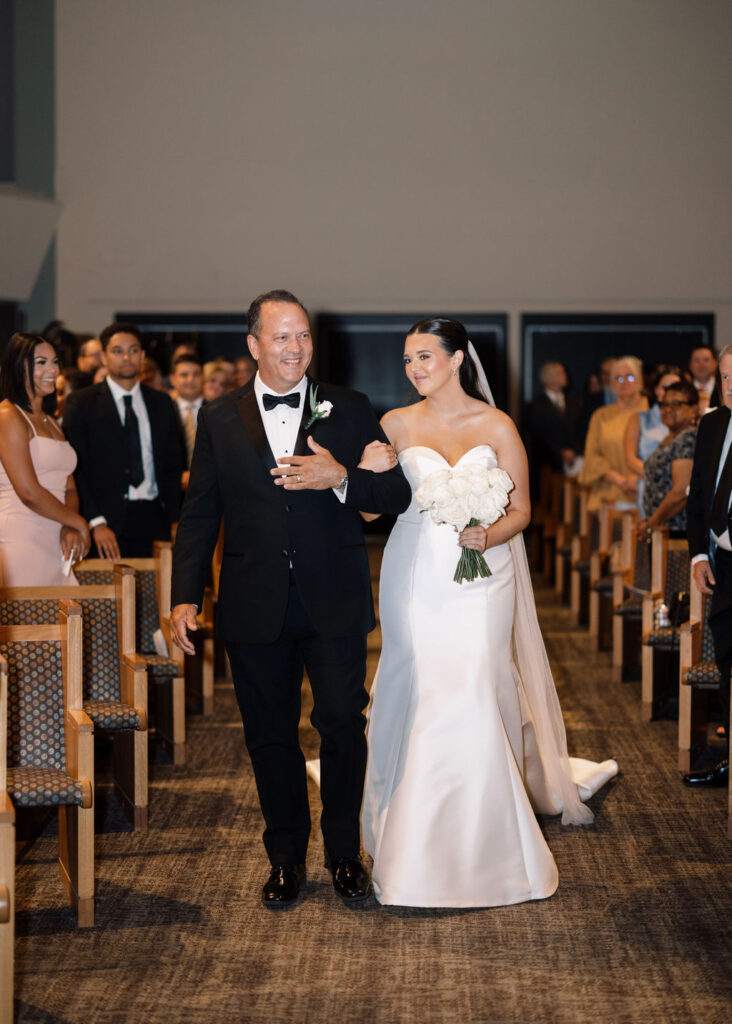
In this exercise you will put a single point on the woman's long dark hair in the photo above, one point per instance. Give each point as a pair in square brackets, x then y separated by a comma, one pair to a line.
[17, 371]
[453, 338]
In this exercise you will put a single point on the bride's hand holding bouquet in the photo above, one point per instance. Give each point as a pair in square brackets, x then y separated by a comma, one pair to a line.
[470, 499]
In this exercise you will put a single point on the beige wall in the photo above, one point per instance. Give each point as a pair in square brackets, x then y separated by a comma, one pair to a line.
[394, 154]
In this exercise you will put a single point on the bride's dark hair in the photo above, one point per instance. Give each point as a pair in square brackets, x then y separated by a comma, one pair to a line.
[453, 338]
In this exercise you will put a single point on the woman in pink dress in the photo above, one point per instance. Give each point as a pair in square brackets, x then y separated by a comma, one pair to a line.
[41, 531]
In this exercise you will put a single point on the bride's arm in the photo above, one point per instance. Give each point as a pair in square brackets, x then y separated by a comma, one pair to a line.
[378, 457]
[511, 454]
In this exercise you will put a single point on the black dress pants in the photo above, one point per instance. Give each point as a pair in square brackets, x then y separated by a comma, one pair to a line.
[720, 625]
[143, 523]
[268, 685]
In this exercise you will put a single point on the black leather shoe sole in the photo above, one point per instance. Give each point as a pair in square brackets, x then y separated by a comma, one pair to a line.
[715, 777]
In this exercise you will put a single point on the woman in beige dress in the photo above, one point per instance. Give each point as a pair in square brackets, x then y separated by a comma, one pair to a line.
[606, 470]
[41, 531]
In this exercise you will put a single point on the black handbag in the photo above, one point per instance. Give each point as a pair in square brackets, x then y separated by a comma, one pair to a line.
[679, 608]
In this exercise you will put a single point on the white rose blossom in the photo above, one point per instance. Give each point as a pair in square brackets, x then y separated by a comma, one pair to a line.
[466, 496]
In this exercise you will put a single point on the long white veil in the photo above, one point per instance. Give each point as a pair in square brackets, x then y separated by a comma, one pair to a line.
[533, 667]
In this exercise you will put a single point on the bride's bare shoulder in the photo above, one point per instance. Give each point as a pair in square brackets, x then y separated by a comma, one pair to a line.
[395, 423]
[497, 420]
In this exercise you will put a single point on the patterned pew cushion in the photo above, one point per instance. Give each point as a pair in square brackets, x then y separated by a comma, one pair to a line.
[146, 609]
[35, 704]
[665, 637]
[43, 787]
[631, 608]
[158, 665]
[111, 714]
[704, 674]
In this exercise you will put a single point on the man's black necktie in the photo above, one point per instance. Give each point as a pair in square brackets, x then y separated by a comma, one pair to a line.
[134, 449]
[271, 401]
[720, 504]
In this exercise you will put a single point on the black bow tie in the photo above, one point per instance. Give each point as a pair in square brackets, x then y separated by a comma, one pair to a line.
[272, 401]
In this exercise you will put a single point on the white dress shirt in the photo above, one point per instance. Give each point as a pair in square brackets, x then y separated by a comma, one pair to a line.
[724, 541]
[148, 489]
[185, 406]
[282, 423]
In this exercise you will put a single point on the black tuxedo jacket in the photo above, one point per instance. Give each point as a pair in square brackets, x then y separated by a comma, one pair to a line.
[93, 426]
[709, 441]
[267, 528]
[552, 430]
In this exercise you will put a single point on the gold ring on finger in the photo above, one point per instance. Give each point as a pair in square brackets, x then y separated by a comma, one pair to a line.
[299, 478]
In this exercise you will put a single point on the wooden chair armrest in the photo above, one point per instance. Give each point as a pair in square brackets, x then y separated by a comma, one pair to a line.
[134, 661]
[4, 904]
[133, 684]
[7, 811]
[690, 627]
[79, 721]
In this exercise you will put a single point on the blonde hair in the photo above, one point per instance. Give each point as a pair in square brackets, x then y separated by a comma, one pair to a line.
[635, 364]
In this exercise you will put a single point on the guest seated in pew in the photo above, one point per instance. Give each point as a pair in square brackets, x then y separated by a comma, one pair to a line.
[646, 429]
[668, 469]
[606, 470]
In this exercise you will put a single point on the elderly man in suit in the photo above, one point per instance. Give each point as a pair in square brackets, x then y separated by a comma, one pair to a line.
[279, 460]
[709, 529]
[128, 443]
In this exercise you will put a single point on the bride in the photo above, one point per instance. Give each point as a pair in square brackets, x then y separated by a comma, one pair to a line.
[466, 738]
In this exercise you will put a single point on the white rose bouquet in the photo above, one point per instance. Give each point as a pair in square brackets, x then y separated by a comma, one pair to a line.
[466, 496]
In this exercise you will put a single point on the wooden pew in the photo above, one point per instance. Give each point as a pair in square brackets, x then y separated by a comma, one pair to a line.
[660, 645]
[7, 862]
[51, 754]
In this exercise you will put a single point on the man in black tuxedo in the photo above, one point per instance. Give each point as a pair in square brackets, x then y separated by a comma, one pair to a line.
[709, 530]
[295, 586]
[127, 439]
[553, 421]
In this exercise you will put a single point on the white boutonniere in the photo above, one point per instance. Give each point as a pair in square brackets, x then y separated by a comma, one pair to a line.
[318, 410]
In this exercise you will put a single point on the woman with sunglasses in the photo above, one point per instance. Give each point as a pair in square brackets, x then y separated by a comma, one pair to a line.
[606, 470]
[667, 470]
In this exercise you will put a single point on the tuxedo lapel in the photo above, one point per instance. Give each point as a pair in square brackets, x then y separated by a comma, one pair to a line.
[718, 441]
[301, 441]
[250, 416]
[107, 413]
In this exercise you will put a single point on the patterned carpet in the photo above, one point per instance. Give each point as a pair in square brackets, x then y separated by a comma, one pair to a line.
[640, 929]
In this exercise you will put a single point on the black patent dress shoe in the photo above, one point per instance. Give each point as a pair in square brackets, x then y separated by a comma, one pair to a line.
[350, 878]
[283, 885]
[717, 776]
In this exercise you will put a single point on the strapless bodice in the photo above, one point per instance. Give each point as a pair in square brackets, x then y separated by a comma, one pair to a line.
[418, 461]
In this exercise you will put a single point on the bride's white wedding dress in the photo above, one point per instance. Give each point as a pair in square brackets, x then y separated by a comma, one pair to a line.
[458, 762]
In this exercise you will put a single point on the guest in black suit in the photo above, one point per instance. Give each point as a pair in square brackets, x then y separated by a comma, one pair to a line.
[128, 442]
[186, 379]
[553, 419]
[295, 585]
[709, 530]
[703, 370]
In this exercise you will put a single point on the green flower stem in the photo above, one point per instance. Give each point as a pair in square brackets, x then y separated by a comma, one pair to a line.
[471, 563]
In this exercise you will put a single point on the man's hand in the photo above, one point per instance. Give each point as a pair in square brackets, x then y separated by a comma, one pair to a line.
[703, 577]
[183, 618]
[106, 542]
[318, 472]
